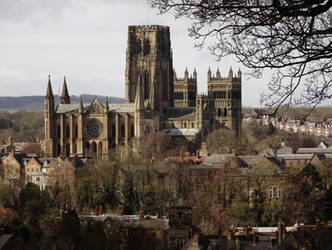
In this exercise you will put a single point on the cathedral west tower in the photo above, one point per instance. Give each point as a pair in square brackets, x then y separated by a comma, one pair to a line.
[149, 56]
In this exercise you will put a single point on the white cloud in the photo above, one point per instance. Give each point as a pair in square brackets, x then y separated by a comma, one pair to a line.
[86, 40]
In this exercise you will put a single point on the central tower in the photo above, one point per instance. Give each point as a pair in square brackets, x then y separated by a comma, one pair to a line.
[149, 57]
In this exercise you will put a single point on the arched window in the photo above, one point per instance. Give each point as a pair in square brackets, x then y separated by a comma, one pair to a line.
[132, 130]
[58, 149]
[58, 131]
[67, 150]
[122, 130]
[146, 47]
[113, 130]
[76, 131]
[93, 147]
[100, 149]
[75, 149]
[146, 85]
[219, 112]
[225, 112]
[67, 131]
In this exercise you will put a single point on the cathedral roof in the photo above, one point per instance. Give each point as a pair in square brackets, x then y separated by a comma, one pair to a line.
[64, 108]
[182, 131]
[121, 107]
[181, 112]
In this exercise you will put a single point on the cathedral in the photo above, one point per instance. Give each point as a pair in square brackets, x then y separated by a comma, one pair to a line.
[155, 99]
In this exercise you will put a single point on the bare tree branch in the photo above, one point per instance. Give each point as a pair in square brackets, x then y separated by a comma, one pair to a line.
[290, 38]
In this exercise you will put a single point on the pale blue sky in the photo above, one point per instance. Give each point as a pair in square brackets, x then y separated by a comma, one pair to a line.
[85, 40]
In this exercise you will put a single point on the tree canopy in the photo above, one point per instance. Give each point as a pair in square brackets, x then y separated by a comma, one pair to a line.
[291, 37]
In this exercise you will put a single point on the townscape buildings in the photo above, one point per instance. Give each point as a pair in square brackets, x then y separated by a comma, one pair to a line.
[315, 128]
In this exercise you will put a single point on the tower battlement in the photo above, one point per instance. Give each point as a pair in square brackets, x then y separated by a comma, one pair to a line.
[154, 27]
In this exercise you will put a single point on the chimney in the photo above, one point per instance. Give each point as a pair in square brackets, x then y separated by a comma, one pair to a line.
[141, 213]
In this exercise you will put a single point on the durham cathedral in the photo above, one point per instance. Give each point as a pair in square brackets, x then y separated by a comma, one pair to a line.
[155, 99]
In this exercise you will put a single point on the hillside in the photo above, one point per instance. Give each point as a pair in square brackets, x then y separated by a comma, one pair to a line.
[36, 103]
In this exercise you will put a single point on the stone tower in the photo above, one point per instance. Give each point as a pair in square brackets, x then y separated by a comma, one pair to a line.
[226, 91]
[185, 90]
[149, 55]
[49, 116]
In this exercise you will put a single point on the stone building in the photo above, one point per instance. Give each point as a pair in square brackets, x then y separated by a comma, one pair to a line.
[185, 90]
[155, 100]
[14, 168]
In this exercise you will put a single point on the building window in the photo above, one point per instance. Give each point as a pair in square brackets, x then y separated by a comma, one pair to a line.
[67, 132]
[76, 131]
[219, 112]
[275, 192]
[122, 131]
[28, 169]
[132, 130]
[58, 131]
[58, 149]
[192, 125]
[113, 130]
[178, 96]
[38, 179]
[185, 125]
[67, 150]
[225, 112]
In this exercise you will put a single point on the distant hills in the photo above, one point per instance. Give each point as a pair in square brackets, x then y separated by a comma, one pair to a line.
[36, 103]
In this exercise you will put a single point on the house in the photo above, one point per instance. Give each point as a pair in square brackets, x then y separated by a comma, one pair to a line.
[33, 165]
[295, 160]
[40, 179]
[13, 167]
[62, 172]
[314, 151]
[284, 149]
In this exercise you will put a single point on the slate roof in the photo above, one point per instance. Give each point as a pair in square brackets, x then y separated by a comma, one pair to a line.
[181, 112]
[216, 158]
[258, 161]
[65, 108]
[285, 150]
[4, 239]
[328, 142]
[295, 156]
[262, 171]
[314, 151]
[181, 131]
[20, 156]
[118, 107]
[122, 107]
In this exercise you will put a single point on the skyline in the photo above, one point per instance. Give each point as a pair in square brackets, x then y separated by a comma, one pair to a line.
[86, 42]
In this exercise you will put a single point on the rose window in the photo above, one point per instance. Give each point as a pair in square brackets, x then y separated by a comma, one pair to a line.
[95, 128]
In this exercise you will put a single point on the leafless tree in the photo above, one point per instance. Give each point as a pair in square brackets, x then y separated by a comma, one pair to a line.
[291, 38]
